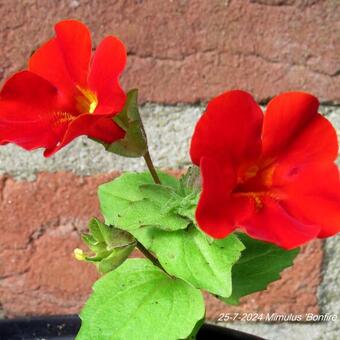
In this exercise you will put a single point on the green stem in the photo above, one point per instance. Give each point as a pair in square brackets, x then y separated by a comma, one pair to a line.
[156, 179]
[149, 256]
[151, 168]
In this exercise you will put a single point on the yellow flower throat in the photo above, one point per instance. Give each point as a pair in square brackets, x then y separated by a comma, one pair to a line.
[87, 101]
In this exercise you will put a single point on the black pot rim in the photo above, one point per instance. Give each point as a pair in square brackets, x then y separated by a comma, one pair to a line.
[66, 327]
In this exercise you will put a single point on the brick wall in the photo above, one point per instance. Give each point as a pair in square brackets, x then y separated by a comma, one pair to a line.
[181, 53]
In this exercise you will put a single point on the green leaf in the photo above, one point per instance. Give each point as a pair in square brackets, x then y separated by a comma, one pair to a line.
[134, 143]
[191, 256]
[196, 329]
[170, 201]
[139, 301]
[159, 194]
[127, 186]
[126, 203]
[260, 264]
[146, 213]
[187, 206]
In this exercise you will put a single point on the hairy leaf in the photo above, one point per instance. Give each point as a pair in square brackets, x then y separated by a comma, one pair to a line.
[130, 202]
[260, 264]
[139, 301]
[193, 257]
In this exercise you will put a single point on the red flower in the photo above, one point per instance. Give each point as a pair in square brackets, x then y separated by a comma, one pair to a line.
[273, 176]
[64, 94]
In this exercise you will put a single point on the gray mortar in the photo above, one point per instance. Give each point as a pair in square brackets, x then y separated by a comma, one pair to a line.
[169, 129]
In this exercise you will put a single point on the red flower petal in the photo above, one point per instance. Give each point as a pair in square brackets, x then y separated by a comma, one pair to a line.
[54, 99]
[317, 143]
[48, 62]
[288, 196]
[107, 65]
[217, 210]
[95, 126]
[28, 108]
[286, 117]
[314, 197]
[273, 224]
[231, 126]
[74, 40]
[64, 60]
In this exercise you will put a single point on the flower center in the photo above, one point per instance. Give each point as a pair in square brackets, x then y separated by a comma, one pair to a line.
[256, 182]
[59, 118]
[86, 101]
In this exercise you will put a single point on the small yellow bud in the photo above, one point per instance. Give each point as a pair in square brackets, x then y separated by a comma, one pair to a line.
[79, 254]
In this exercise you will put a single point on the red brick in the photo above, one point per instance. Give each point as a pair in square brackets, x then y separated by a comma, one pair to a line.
[186, 51]
[40, 226]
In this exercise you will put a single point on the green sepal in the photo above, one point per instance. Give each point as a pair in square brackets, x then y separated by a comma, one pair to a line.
[89, 240]
[95, 230]
[110, 246]
[99, 248]
[115, 259]
[134, 143]
[190, 182]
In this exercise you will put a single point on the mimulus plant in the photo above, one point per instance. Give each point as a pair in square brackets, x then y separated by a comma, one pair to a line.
[260, 186]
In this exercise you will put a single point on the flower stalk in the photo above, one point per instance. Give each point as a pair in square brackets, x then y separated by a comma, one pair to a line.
[149, 256]
[157, 180]
[151, 167]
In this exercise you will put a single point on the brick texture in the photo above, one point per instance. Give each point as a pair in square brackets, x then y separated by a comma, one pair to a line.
[191, 50]
[40, 226]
